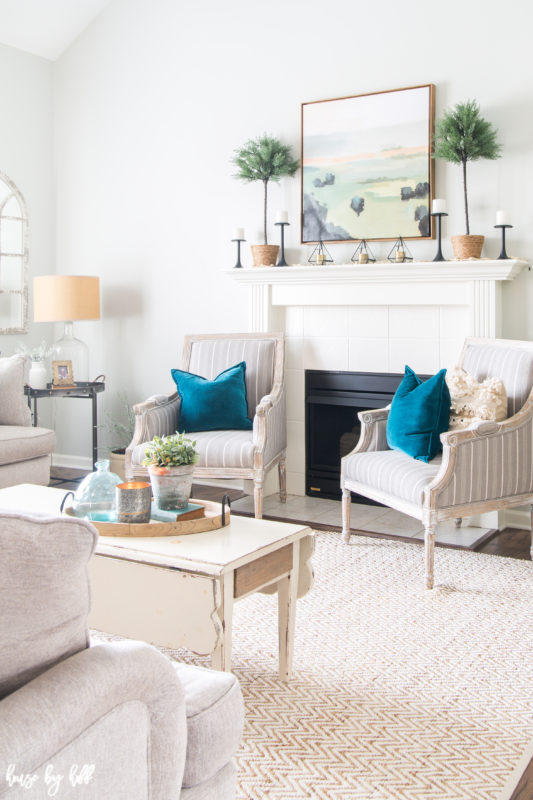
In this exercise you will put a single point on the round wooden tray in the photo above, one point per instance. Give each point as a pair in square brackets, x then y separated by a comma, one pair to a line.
[212, 521]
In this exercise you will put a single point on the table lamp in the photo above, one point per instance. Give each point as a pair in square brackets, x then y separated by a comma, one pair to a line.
[65, 298]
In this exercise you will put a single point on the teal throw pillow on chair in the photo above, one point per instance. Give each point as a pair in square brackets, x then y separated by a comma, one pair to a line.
[215, 405]
[418, 415]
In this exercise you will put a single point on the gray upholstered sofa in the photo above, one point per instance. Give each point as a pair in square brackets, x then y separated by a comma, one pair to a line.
[25, 452]
[120, 718]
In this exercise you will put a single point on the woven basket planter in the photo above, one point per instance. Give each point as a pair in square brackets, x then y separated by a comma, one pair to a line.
[465, 247]
[265, 255]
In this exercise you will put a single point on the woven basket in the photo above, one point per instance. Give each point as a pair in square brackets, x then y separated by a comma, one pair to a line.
[465, 247]
[265, 255]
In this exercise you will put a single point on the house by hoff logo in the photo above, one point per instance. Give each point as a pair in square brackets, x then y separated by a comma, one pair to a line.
[77, 776]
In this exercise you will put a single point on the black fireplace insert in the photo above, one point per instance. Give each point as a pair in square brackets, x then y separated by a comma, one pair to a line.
[332, 428]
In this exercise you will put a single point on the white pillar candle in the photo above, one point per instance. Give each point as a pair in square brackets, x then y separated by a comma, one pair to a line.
[502, 218]
[238, 233]
[282, 216]
[438, 207]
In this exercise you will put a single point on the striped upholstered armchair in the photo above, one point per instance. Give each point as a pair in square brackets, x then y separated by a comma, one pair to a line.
[229, 453]
[486, 467]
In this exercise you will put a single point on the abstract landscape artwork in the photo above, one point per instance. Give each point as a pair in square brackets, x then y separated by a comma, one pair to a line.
[367, 171]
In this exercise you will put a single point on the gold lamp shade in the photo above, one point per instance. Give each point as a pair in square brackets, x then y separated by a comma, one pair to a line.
[58, 298]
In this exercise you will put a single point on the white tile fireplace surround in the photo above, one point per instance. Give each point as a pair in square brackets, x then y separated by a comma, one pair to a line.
[371, 318]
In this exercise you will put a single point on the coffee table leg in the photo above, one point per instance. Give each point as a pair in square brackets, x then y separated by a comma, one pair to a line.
[287, 594]
[221, 656]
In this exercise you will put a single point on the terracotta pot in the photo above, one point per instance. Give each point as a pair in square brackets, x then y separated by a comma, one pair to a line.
[117, 463]
[465, 247]
[171, 486]
[265, 255]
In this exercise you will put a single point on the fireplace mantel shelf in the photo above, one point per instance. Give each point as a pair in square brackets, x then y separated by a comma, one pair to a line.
[476, 284]
[383, 272]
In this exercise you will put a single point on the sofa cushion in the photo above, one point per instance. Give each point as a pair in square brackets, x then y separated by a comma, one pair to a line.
[18, 443]
[215, 448]
[392, 472]
[13, 406]
[44, 593]
[215, 718]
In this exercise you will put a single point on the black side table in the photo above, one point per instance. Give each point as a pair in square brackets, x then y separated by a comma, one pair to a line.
[86, 390]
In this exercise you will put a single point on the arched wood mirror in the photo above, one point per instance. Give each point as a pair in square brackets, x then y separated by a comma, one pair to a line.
[13, 258]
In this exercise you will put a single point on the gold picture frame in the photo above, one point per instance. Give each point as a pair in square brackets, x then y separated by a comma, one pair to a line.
[367, 167]
[62, 373]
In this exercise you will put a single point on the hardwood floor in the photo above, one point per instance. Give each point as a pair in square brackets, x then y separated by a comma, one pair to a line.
[511, 542]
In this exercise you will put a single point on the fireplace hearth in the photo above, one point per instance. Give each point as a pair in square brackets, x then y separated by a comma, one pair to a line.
[332, 427]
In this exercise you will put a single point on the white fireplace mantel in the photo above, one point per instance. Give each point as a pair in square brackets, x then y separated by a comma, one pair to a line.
[476, 284]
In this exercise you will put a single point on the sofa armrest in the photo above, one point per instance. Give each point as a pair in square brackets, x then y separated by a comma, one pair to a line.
[49, 713]
[270, 427]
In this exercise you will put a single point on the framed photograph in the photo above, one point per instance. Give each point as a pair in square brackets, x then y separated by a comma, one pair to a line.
[367, 171]
[62, 373]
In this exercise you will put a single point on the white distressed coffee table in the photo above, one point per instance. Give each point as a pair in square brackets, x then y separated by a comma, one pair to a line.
[178, 591]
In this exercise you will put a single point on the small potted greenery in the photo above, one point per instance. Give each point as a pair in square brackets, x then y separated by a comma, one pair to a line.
[462, 135]
[121, 433]
[170, 461]
[38, 373]
[264, 159]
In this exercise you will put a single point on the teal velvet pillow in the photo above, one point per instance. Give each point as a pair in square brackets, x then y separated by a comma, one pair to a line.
[418, 415]
[215, 405]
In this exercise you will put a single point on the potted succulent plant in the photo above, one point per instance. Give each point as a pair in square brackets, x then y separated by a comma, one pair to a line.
[264, 159]
[170, 461]
[462, 135]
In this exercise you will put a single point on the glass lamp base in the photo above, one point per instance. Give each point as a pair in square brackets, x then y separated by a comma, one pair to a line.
[68, 348]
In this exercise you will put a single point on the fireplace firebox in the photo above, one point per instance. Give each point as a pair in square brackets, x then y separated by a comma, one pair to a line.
[332, 427]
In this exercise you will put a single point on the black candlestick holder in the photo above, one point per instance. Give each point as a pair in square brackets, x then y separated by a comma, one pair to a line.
[503, 253]
[238, 265]
[438, 215]
[281, 259]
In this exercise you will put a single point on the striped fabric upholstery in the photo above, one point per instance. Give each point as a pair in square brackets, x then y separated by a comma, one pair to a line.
[392, 473]
[379, 436]
[276, 430]
[513, 366]
[491, 467]
[162, 420]
[216, 448]
[209, 357]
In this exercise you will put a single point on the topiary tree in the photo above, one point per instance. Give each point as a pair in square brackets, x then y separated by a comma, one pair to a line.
[463, 135]
[264, 159]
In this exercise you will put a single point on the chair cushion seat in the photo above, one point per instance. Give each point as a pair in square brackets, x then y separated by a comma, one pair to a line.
[20, 443]
[215, 717]
[393, 473]
[215, 448]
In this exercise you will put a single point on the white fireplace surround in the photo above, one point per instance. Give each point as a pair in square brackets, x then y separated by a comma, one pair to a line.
[372, 317]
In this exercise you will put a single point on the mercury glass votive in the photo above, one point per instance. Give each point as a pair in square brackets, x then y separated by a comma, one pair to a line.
[133, 501]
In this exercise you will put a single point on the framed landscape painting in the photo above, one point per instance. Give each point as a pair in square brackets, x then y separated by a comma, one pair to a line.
[367, 171]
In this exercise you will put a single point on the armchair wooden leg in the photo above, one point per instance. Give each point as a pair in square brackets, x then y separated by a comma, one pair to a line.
[258, 499]
[429, 548]
[346, 509]
[282, 480]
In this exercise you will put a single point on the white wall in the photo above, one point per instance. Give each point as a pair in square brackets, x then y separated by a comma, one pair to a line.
[26, 157]
[152, 99]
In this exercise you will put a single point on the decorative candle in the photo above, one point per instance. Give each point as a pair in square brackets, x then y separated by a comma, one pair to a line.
[363, 258]
[502, 218]
[282, 216]
[238, 233]
[400, 255]
[438, 206]
[321, 258]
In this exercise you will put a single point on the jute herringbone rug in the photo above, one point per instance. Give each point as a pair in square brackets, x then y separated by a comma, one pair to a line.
[399, 692]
